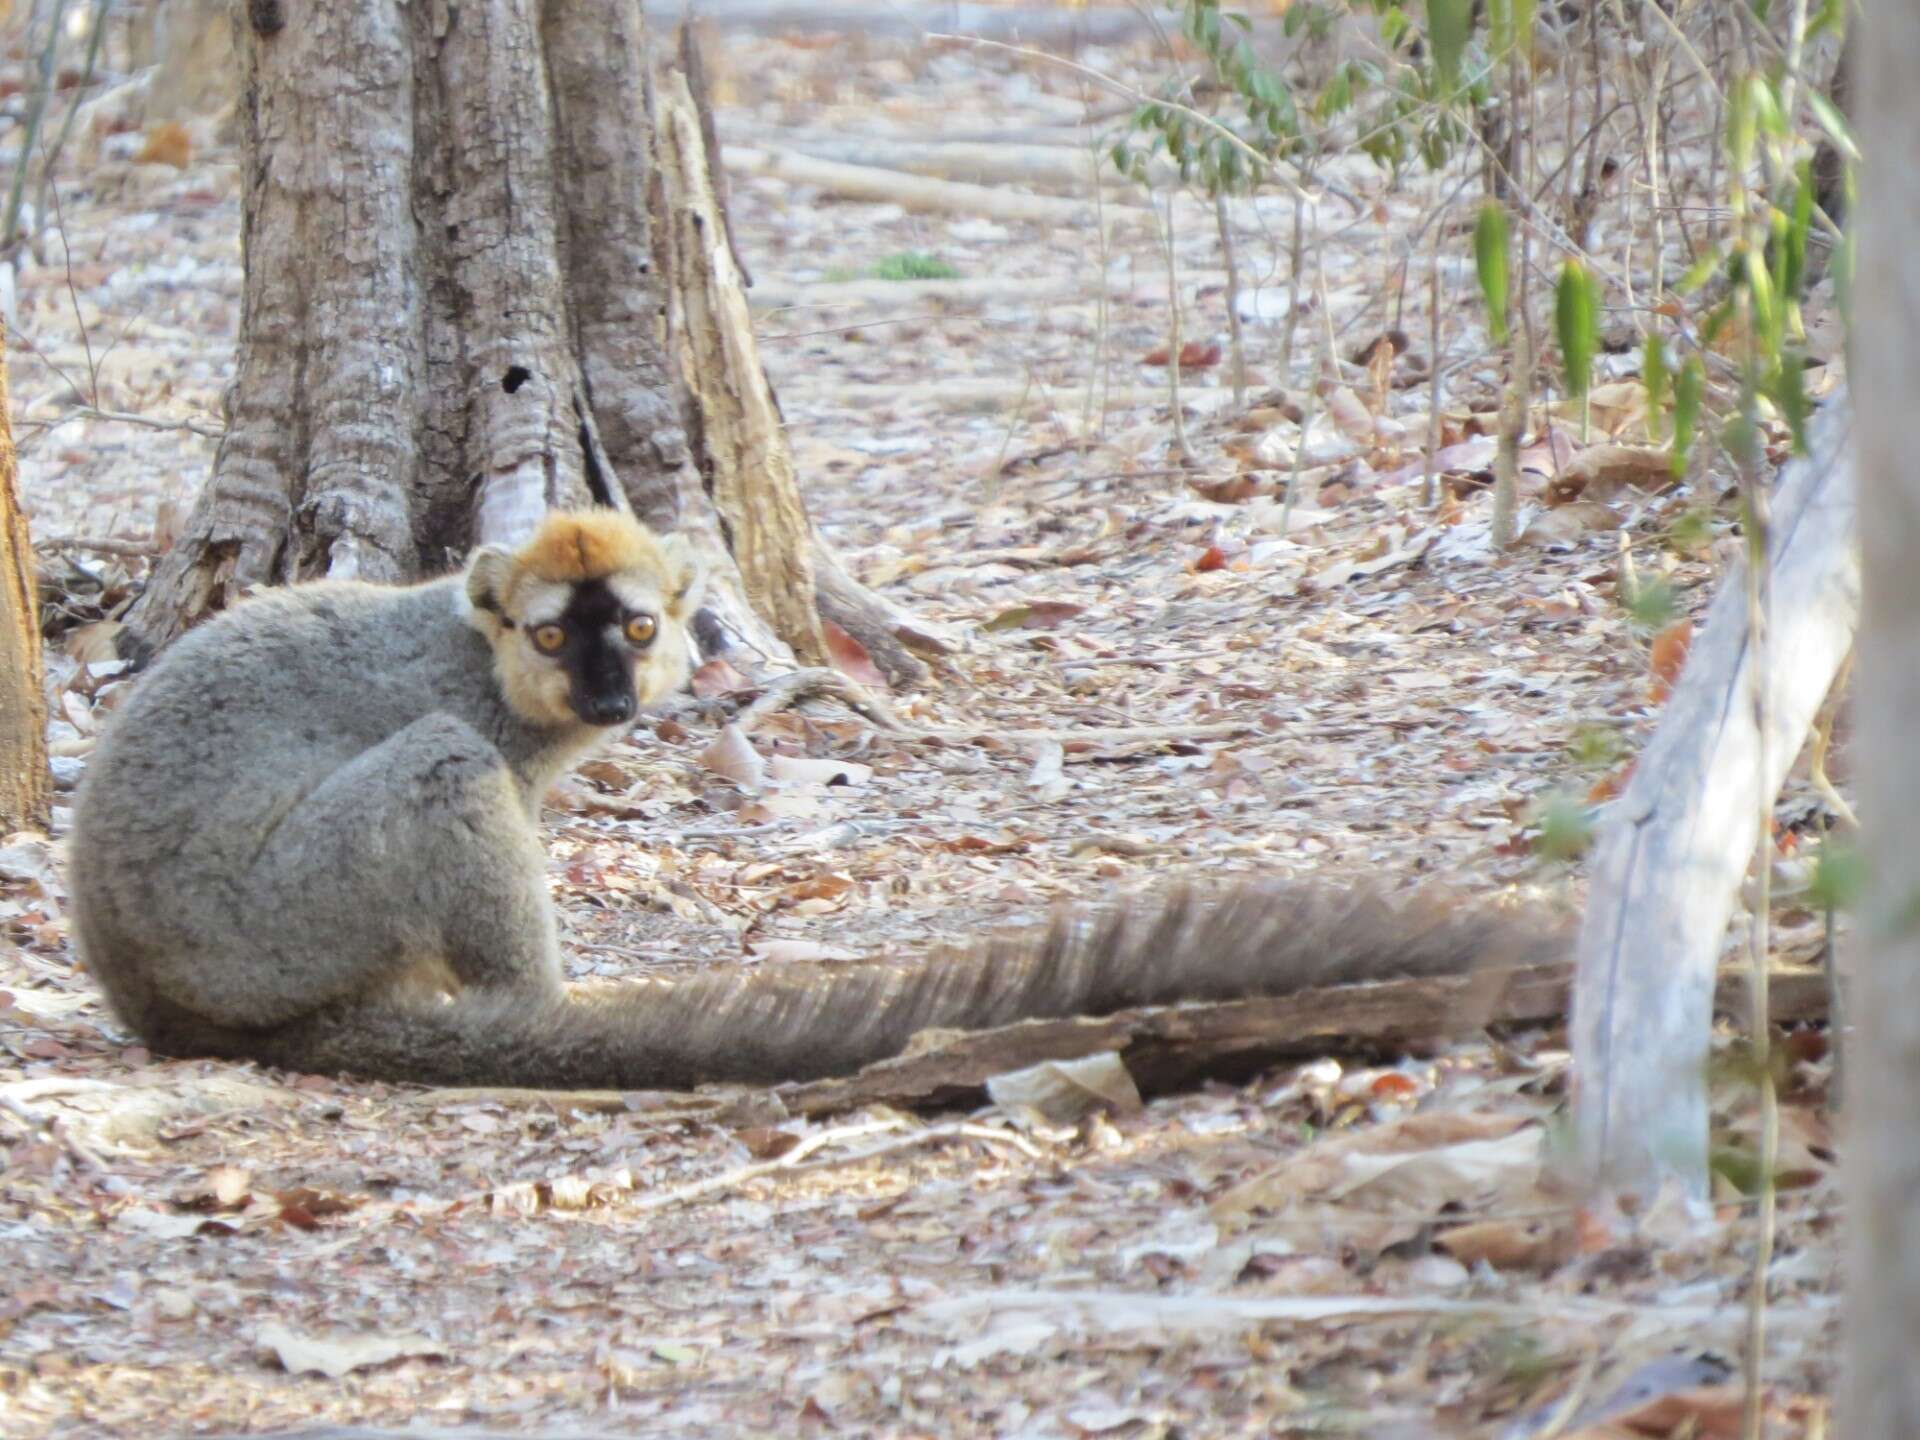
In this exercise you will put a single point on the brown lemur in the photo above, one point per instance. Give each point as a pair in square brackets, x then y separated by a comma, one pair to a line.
[309, 837]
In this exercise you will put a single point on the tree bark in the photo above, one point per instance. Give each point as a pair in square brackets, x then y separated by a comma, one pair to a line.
[1881, 1159]
[25, 786]
[454, 319]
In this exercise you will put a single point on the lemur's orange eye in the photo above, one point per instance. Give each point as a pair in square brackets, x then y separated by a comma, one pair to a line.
[548, 639]
[641, 629]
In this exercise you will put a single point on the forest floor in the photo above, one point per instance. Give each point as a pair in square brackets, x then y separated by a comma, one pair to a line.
[1338, 1246]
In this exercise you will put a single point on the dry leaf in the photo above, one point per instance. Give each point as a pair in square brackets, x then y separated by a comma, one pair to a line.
[732, 757]
[1600, 472]
[339, 1354]
[1047, 779]
[166, 144]
[1666, 658]
[1038, 615]
[1065, 1091]
[1565, 524]
[716, 677]
[850, 657]
[1509, 1244]
[1351, 415]
[780, 952]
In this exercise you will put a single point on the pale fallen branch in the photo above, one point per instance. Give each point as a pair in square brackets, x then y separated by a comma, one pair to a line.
[127, 417]
[800, 1158]
[916, 192]
[128, 549]
[909, 19]
[1049, 167]
[1125, 1311]
[969, 293]
[978, 396]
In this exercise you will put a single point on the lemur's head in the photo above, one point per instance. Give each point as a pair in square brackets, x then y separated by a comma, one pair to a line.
[588, 619]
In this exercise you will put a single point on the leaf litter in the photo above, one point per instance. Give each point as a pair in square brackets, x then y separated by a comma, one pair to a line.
[205, 1247]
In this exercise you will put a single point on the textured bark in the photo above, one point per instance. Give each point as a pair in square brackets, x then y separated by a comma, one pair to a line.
[1880, 1399]
[25, 787]
[453, 320]
[744, 457]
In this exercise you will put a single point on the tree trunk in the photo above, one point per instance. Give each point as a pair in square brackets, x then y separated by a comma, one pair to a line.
[1881, 1398]
[454, 315]
[25, 789]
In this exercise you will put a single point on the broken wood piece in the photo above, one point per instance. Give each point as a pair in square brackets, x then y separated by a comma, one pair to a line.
[1173, 1046]
[919, 294]
[1673, 848]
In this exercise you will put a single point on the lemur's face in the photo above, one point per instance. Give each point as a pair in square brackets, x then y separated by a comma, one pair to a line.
[588, 620]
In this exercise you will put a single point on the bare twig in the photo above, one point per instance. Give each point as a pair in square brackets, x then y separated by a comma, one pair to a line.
[123, 417]
[51, 1127]
[797, 1158]
[129, 549]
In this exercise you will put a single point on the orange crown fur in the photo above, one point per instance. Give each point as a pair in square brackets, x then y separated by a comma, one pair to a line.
[575, 545]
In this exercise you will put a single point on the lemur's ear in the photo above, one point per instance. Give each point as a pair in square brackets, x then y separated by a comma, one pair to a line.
[488, 571]
[686, 577]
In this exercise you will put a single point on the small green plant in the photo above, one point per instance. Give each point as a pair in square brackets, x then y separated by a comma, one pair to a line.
[913, 265]
[1596, 747]
[1566, 828]
[1650, 604]
[1691, 531]
[1839, 876]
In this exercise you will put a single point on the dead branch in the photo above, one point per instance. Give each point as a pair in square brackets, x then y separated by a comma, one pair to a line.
[917, 192]
[1167, 1048]
[1674, 847]
[910, 19]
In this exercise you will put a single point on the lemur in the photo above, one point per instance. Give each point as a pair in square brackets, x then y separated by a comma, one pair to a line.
[310, 838]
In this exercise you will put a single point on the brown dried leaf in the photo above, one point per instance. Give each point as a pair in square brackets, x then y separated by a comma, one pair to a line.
[166, 144]
[732, 757]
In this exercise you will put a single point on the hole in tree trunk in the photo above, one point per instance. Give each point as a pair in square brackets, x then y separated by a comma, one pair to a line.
[515, 377]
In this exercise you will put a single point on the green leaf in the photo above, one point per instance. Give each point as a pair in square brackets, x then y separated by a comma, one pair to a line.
[1650, 605]
[1700, 272]
[1767, 316]
[1793, 267]
[1789, 393]
[1566, 829]
[1691, 531]
[1449, 23]
[1839, 876]
[1767, 114]
[1576, 325]
[1490, 259]
[1500, 25]
[1740, 130]
[1835, 124]
[1655, 379]
[1689, 385]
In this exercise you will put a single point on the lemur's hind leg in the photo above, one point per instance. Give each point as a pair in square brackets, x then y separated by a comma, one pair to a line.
[347, 872]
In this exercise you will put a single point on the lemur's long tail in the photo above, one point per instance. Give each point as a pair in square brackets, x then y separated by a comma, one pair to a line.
[758, 1023]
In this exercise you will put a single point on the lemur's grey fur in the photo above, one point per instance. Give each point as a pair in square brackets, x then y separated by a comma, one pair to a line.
[309, 837]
